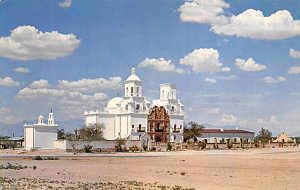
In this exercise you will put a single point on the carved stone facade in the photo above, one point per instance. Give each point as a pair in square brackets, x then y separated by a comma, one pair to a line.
[159, 124]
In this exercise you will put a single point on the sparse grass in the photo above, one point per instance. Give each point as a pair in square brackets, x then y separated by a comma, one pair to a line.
[13, 166]
[28, 183]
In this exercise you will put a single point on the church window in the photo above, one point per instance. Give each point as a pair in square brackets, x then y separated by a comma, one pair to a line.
[137, 107]
[132, 126]
[126, 91]
[172, 109]
[137, 91]
[131, 91]
[163, 93]
[126, 107]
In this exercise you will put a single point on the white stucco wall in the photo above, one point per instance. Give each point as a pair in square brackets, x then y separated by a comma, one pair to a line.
[45, 137]
[29, 140]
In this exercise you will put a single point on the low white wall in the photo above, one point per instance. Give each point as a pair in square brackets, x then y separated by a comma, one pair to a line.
[79, 144]
[60, 144]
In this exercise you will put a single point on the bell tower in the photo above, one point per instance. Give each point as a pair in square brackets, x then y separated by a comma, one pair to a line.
[133, 85]
[51, 118]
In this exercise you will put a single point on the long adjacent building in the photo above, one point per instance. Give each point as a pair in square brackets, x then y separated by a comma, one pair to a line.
[135, 116]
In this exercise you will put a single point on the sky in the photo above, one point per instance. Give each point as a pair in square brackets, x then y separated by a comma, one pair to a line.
[234, 62]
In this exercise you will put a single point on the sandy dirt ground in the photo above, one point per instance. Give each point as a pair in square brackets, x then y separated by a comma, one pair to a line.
[270, 168]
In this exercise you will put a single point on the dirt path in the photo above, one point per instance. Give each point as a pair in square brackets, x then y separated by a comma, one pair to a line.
[240, 169]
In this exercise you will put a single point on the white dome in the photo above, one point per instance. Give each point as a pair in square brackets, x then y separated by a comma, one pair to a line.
[133, 76]
[40, 117]
[113, 102]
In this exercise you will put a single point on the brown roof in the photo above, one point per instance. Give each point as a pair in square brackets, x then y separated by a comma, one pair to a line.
[225, 131]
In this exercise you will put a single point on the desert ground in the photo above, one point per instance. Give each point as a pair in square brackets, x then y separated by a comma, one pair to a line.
[269, 168]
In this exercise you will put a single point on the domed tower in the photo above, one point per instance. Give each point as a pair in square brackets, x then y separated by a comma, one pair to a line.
[40, 119]
[133, 85]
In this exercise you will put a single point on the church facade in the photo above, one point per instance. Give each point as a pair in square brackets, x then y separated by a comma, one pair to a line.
[135, 116]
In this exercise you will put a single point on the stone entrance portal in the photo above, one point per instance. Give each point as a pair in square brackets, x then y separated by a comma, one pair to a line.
[159, 124]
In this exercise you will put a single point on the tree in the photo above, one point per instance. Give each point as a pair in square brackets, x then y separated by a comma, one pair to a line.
[61, 134]
[92, 132]
[192, 131]
[264, 135]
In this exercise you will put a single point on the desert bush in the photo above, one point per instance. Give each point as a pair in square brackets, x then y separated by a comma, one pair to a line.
[37, 158]
[202, 145]
[229, 144]
[88, 148]
[133, 148]
[34, 167]
[51, 158]
[216, 146]
[183, 173]
[119, 143]
[169, 146]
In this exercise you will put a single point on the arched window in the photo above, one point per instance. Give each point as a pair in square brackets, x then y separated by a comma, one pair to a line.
[137, 91]
[172, 109]
[126, 91]
[137, 107]
[131, 91]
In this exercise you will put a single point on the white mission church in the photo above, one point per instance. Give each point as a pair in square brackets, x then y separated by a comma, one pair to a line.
[134, 116]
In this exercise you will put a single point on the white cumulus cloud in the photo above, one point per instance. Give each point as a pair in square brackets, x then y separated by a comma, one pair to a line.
[249, 24]
[253, 24]
[160, 65]
[271, 80]
[210, 80]
[228, 119]
[28, 43]
[8, 117]
[294, 70]
[39, 84]
[249, 65]
[212, 111]
[65, 3]
[204, 60]
[21, 70]
[67, 103]
[8, 81]
[203, 11]
[91, 85]
[294, 53]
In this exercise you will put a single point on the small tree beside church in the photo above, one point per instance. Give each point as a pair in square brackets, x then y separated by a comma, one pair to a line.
[92, 132]
[192, 131]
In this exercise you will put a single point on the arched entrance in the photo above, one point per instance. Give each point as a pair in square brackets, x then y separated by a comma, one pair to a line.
[158, 124]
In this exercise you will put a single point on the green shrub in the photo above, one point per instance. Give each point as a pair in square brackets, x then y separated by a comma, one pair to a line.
[88, 148]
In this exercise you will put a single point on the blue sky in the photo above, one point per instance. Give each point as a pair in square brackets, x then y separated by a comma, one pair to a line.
[234, 62]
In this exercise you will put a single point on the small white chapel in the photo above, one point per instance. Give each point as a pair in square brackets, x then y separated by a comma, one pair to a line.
[41, 135]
